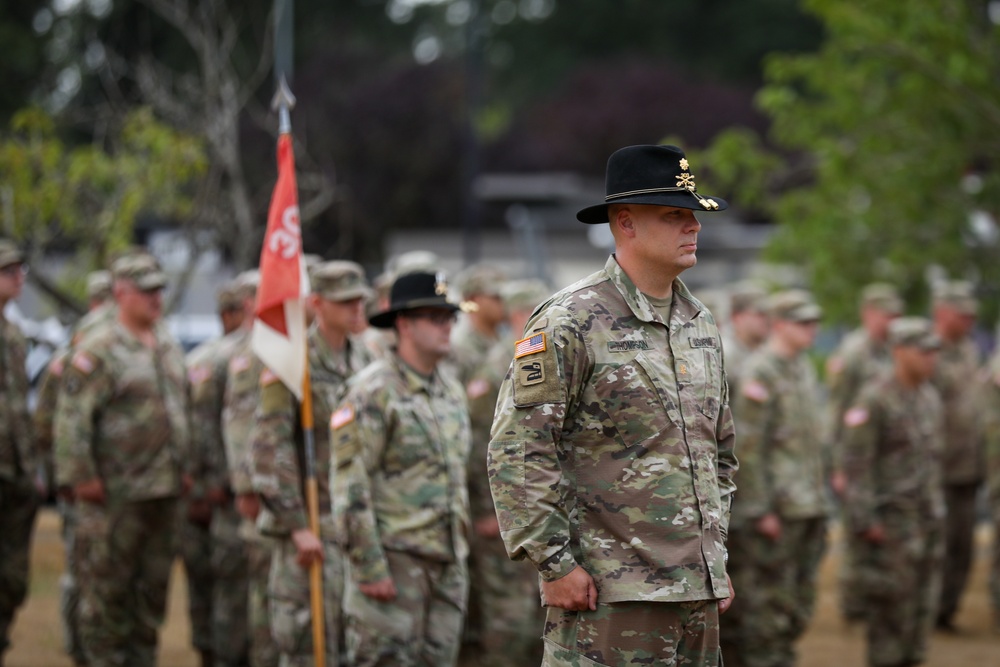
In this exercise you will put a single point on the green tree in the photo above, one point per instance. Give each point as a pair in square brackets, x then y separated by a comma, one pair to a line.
[888, 137]
[87, 198]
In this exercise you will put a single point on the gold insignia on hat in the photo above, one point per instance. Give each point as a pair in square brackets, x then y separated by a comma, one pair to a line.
[686, 181]
[684, 164]
[440, 286]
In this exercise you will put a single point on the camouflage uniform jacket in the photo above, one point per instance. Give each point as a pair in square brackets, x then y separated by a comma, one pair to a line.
[469, 348]
[482, 391]
[781, 458]
[277, 463]
[123, 416]
[857, 360]
[241, 396]
[400, 443]
[991, 411]
[613, 443]
[957, 366]
[17, 448]
[207, 367]
[892, 457]
[737, 354]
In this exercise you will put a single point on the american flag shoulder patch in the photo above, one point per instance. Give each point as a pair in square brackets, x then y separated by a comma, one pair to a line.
[342, 417]
[529, 345]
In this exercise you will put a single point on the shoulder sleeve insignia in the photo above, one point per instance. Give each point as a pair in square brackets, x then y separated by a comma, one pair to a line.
[756, 391]
[477, 388]
[268, 377]
[342, 417]
[530, 345]
[856, 416]
[83, 362]
[198, 374]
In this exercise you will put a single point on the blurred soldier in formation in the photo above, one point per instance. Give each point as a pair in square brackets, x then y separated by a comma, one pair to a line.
[206, 367]
[98, 298]
[861, 356]
[478, 328]
[121, 441]
[19, 467]
[748, 329]
[400, 444]
[782, 505]
[954, 315]
[241, 559]
[611, 460]
[339, 292]
[504, 607]
[991, 412]
[893, 503]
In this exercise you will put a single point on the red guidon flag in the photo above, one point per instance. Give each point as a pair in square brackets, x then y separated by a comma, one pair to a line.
[279, 329]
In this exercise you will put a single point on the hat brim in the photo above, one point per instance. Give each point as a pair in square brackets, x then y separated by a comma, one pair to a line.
[598, 214]
[151, 282]
[347, 294]
[387, 318]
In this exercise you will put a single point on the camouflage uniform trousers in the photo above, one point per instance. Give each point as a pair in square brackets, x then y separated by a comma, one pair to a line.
[778, 604]
[69, 591]
[18, 505]
[901, 579]
[505, 613]
[618, 634]
[124, 553]
[194, 546]
[960, 527]
[260, 550]
[853, 606]
[422, 626]
[230, 591]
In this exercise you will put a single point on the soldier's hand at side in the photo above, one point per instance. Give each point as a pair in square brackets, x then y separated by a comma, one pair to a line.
[487, 526]
[186, 483]
[769, 526]
[838, 482]
[91, 491]
[874, 534]
[199, 511]
[248, 505]
[575, 592]
[728, 602]
[383, 590]
[308, 546]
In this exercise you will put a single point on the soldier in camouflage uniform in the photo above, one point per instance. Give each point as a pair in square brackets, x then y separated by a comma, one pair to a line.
[991, 412]
[782, 505]
[241, 556]
[478, 328]
[504, 609]
[338, 294]
[121, 441]
[894, 502]
[206, 365]
[400, 444]
[611, 461]
[860, 357]
[954, 315]
[98, 300]
[19, 495]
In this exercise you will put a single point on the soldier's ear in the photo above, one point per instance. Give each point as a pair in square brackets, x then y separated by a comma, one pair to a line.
[622, 221]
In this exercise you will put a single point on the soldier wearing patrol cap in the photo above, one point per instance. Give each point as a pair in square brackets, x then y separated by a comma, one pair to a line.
[122, 448]
[954, 314]
[611, 461]
[861, 356]
[19, 497]
[893, 502]
[782, 507]
[747, 328]
[339, 291]
[400, 443]
[479, 326]
[98, 288]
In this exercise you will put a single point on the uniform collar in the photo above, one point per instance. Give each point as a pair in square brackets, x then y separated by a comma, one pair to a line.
[684, 307]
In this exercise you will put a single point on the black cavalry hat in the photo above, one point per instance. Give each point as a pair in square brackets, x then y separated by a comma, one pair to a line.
[414, 290]
[656, 175]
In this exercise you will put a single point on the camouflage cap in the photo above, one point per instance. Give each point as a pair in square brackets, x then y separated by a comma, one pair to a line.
[914, 331]
[959, 294]
[413, 261]
[480, 279]
[227, 298]
[793, 305]
[141, 269]
[98, 285]
[10, 253]
[747, 296]
[246, 282]
[340, 280]
[883, 296]
[524, 294]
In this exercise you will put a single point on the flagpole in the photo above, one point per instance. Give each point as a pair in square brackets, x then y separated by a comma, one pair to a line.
[283, 102]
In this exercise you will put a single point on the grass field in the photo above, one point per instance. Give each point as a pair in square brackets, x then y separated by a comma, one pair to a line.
[37, 638]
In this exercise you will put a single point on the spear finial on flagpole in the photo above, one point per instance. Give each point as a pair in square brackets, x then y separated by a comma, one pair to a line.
[283, 102]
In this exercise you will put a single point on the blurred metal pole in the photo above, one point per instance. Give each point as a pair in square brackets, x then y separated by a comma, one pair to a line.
[471, 233]
[284, 40]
